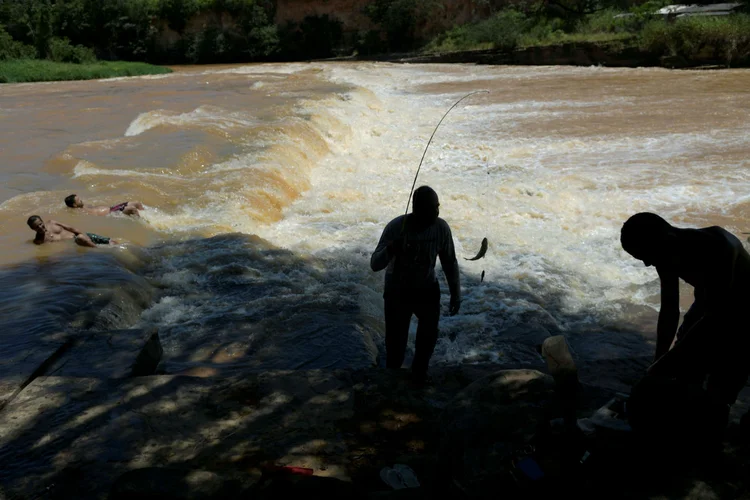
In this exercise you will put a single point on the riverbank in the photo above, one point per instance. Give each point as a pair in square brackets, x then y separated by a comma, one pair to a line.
[614, 54]
[85, 420]
[35, 70]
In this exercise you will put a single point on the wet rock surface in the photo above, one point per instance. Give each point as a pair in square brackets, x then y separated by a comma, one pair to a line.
[173, 484]
[111, 354]
[488, 423]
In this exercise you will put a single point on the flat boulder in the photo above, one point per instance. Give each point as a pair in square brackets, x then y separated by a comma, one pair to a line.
[159, 483]
[488, 424]
[289, 486]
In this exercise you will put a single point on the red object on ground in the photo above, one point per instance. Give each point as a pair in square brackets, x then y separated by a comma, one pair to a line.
[302, 471]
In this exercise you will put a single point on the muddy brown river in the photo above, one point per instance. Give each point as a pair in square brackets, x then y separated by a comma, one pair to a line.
[267, 187]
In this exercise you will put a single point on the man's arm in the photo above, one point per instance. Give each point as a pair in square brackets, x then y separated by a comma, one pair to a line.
[669, 312]
[382, 256]
[449, 262]
[67, 227]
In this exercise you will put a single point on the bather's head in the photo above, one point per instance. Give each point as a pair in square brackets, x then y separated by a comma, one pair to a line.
[36, 223]
[73, 201]
[649, 238]
[425, 205]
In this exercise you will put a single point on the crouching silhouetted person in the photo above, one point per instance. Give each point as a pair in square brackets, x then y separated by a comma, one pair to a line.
[690, 386]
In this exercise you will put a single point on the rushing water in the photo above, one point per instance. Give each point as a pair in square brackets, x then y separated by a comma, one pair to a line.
[267, 187]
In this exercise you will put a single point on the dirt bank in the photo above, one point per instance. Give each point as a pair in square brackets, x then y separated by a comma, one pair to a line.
[613, 55]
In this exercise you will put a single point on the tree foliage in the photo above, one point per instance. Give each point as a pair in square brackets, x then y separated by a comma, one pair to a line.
[134, 29]
[315, 37]
[399, 19]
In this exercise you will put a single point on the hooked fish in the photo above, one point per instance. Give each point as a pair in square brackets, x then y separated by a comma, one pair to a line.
[482, 251]
[482, 278]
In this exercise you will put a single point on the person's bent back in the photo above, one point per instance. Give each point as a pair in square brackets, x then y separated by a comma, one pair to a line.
[713, 342]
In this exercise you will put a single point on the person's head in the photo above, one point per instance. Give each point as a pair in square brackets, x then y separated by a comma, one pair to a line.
[73, 201]
[36, 223]
[425, 205]
[649, 238]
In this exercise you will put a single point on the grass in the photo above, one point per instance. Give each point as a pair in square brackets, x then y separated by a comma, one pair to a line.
[35, 70]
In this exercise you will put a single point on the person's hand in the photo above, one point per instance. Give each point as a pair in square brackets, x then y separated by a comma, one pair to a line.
[454, 306]
[396, 247]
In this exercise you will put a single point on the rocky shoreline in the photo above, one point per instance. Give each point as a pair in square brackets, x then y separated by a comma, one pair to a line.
[100, 421]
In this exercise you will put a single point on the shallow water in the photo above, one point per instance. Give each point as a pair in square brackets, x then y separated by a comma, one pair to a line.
[267, 187]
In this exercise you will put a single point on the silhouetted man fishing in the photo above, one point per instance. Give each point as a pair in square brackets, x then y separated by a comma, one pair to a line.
[409, 246]
[712, 342]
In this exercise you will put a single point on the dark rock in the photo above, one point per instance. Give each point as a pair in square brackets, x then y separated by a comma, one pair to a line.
[174, 484]
[149, 357]
[613, 54]
[488, 423]
[678, 416]
[283, 486]
[402, 494]
[745, 427]
[109, 354]
[121, 306]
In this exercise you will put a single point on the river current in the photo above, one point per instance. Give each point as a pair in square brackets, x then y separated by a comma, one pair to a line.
[267, 187]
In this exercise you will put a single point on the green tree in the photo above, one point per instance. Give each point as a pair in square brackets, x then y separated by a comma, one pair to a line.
[11, 49]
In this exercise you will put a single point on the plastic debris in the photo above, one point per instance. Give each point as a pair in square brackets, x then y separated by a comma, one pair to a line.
[399, 476]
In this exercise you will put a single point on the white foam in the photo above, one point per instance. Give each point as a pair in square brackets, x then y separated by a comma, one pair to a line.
[204, 117]
[551, 205]
[86, 168]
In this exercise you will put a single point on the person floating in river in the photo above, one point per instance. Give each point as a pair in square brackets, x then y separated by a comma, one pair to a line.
[57, 231]
[712, 343]
[408, 248]
[127, 207]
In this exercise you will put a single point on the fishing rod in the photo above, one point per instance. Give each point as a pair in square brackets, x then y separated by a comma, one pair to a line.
[425, 151]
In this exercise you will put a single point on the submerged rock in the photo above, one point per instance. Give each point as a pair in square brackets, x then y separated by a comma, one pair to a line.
[149, 357]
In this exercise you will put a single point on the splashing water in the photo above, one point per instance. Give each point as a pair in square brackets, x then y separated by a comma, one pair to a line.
[268, 187]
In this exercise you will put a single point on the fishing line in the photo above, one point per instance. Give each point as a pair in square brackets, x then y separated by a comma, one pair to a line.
[428, 145]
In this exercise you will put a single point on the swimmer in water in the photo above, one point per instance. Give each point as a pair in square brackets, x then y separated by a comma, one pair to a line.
[127, 207]
[53, 231]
